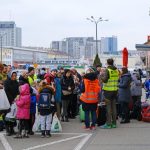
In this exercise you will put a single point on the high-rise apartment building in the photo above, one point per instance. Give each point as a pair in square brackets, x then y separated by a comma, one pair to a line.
[11, 35]
[109, 44]
[77, 47]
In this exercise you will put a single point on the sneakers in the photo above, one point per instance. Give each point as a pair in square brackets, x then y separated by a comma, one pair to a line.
[123, 121]
[105, 126]
[113, 125]
[87, 128]
[93, 128]
[18, 136]
[48, 134]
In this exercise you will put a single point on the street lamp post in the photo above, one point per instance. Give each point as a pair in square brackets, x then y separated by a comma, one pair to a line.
[1, 38]
[92, 19]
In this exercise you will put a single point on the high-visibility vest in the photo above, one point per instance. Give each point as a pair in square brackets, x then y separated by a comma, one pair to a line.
[92, 88]
[31, 80]
[112, 84]
[1, 117]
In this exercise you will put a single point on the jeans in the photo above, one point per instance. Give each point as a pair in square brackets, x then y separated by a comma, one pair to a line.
[87, 118]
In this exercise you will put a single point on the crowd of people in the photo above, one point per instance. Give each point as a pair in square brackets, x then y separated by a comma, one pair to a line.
[61, 91]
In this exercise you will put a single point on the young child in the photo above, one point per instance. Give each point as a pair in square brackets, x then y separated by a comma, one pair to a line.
[10, 120]
[45, 108]
[23, 110]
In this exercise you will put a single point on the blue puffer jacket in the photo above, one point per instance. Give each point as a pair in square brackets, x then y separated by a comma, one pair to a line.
[57, 95]
[33, 105]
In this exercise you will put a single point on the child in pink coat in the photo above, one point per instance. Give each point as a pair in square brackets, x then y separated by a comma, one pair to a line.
[23, 110]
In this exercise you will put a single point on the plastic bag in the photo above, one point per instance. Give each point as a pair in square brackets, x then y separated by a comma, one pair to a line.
[37, 125]
[4, 103]
[56, 126]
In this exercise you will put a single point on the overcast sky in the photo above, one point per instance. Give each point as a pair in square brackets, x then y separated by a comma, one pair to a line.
[43, 21]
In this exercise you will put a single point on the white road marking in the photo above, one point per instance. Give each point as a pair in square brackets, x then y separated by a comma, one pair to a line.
[55, 142]
[78, 147]
[5, 142]
[83, 142]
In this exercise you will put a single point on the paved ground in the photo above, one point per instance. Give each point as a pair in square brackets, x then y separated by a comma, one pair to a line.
[133, 136]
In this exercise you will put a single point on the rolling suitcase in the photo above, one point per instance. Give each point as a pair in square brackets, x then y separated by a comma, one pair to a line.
[101, 114]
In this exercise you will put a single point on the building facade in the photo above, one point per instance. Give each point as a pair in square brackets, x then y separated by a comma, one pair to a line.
[10, 34]
[109, 45]
[145, 55]
[77, 47]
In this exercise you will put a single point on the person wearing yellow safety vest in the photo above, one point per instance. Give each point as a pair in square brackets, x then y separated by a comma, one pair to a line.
[110, 91]
[89, 97]
[32, 77]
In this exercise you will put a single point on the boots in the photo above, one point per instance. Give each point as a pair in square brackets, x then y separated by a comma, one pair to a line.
[43, 134]
[12, 131]
[62, 118]
[26, 134]
[48, 134]
[66, 119]
[8, 133]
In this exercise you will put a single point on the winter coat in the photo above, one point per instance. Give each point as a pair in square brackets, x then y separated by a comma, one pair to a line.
[23, 102]
[65, 83]
[86, 106]
[12, 89]
[124, 93]
[136, 87]
[57, 95]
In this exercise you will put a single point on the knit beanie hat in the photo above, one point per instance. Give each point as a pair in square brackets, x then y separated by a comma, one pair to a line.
[30, 69]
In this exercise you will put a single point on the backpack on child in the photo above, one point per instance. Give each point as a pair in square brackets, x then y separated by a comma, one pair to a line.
[44, 101]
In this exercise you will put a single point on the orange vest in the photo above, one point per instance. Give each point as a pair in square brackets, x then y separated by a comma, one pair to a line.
[92, 88]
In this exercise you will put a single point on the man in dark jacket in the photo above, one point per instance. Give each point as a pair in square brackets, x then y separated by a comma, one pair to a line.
[110, 88]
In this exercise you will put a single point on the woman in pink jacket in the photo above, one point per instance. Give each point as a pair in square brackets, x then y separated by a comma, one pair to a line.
[23, 110]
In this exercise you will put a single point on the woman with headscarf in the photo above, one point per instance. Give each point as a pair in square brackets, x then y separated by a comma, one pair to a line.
[11, 87]
[67, 85]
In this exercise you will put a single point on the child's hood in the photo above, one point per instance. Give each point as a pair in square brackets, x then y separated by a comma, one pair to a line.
[24, 89]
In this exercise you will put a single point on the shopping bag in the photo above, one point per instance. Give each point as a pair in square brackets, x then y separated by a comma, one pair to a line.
[4, 103]
[56, 126]
[37, 125]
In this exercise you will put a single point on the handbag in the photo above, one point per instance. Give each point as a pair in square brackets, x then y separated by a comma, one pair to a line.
[4, 103]
[65, 92]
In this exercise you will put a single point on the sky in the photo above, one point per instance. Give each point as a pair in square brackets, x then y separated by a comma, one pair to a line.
[43, 21]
